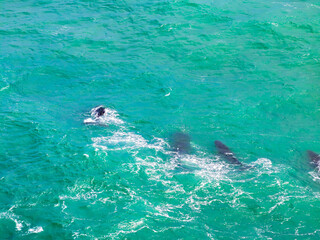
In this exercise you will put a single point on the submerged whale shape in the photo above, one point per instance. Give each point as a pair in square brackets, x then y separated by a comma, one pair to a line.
[314, 158]
[226, 153]
[181, 143]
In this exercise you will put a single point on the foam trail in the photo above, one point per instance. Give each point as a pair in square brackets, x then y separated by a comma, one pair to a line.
[160, 163]
[122, 140]
[4, 88]
[20, 224]
[10, 215]
[35, 230]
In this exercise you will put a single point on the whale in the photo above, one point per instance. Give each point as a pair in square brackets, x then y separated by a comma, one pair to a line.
[99, 111]
[224, 151]
[314, 159]
[181, 143]
[97, 114]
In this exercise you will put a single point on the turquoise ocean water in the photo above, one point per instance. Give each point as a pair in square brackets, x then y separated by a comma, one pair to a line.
[243, 72]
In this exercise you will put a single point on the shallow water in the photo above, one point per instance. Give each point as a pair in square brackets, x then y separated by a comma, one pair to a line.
[243, 72]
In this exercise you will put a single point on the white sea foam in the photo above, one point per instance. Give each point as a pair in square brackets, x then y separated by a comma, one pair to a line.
[4, 88]
[10, 215]
[35, 230]
[120, 141]
[20, 225]
[6, 84]
[265, 162]
[123, 140]
[315, 175]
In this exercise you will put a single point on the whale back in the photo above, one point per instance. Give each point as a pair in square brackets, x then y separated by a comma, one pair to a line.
[99, 111]
[314, 158]
[181, 142]
[226, 152]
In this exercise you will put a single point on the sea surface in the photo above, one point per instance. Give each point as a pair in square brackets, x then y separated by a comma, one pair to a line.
[245, 72]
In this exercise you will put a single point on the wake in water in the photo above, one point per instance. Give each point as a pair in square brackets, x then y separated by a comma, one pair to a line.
[176, 154]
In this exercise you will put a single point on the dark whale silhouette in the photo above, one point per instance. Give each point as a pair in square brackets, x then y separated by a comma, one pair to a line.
[96, 116]
[99, 111]
[314, 158]
[226, 153]
[181, 143]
